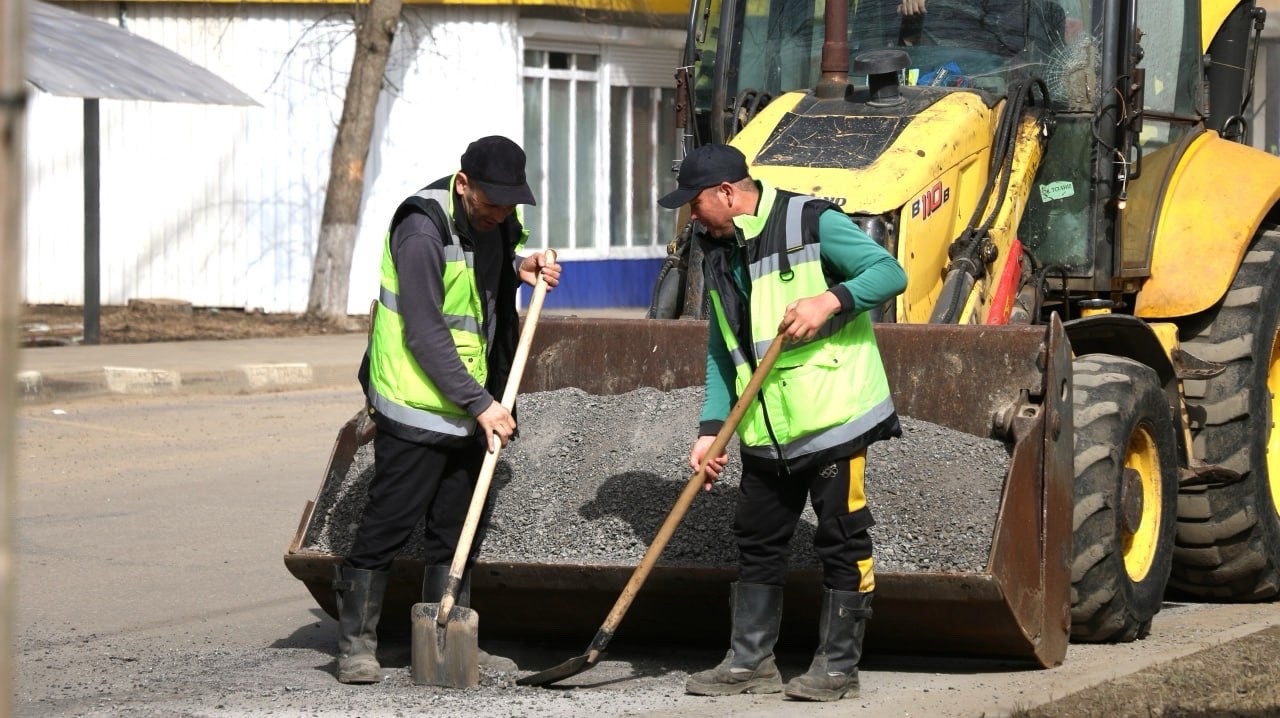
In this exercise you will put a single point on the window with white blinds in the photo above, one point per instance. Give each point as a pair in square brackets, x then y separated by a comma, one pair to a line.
[600, 135]
[561, 98]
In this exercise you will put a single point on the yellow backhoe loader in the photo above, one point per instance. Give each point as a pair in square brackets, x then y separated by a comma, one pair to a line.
[1025, 159]
[1090, 252]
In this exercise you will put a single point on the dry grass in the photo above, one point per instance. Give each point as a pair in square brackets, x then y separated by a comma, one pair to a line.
[1239, 678]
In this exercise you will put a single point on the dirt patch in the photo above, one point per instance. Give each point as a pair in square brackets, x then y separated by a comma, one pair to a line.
[1237, 678]
[161, 320]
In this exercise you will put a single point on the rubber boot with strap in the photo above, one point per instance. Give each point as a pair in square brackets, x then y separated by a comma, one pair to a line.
[434, 581]
[359, 596]
[749, 666]
[833, 674]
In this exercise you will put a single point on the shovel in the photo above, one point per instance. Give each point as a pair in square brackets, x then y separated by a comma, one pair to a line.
[595, 651]
[445, 637]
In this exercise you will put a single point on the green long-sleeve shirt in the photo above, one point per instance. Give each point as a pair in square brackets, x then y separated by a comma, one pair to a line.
[873, 277]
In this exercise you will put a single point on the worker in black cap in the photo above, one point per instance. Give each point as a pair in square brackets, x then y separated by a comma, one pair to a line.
[443, 339]
[778, 263]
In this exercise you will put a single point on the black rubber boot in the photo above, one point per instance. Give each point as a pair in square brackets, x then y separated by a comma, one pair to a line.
[359, 594]
[749, 665]
[434, 581]
[834, 672]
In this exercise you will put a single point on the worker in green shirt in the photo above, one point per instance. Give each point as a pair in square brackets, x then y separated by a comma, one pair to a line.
[778, 263]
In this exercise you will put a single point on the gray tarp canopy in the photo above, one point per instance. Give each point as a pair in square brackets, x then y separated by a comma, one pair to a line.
[74, 55]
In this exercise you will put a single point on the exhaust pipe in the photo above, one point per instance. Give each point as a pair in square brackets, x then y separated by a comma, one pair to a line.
[834, 82]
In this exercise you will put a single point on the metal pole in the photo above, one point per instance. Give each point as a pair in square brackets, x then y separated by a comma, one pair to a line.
[13, 89]
[92, 222]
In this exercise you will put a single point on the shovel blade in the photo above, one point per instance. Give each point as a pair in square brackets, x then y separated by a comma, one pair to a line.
[571, 667]
[445, 654]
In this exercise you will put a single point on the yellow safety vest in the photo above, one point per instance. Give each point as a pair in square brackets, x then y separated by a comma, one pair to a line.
[398, 388]
[823, 393]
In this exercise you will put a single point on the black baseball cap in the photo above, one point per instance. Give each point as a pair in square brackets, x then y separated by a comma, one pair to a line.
[707, 166]
[496, 165]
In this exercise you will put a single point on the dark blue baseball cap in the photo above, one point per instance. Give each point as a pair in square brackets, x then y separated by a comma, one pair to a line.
[707, 166]
[496, 165]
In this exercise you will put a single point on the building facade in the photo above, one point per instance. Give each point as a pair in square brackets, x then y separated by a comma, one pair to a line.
[221, 206]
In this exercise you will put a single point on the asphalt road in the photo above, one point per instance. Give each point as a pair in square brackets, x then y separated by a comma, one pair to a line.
[151, 533]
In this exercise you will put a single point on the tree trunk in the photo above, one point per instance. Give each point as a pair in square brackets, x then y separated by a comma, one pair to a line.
[13, 123]
[331, 273]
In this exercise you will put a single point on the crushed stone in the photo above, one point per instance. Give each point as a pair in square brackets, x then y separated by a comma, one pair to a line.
[590, 480]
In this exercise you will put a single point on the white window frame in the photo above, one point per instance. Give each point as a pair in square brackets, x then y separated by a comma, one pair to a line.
[656, 180]
[594, 39]
[597, 76]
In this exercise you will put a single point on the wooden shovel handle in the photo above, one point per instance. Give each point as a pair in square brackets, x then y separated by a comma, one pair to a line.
[526, 336]
[691, 488]
[491, 457]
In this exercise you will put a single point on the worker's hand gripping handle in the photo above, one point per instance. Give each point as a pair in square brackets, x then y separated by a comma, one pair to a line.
[491, 457]
[686, 498]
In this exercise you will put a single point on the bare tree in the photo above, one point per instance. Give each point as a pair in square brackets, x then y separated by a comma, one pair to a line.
[331, 273]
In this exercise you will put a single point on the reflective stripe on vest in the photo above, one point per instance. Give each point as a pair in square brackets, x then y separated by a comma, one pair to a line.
[398, 387]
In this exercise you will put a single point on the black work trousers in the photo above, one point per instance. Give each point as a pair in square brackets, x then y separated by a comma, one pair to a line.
[769, 508]
[411, 481]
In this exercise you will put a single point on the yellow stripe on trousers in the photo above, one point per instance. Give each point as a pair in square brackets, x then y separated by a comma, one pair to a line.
[856, 501]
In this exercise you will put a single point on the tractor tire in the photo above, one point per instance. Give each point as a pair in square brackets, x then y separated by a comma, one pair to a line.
[1125, 498]
[668, 291]
[1228, 545]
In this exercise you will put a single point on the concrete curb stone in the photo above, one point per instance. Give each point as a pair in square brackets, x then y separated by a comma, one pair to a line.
[227, 367]
[232, 366]
[37, 387]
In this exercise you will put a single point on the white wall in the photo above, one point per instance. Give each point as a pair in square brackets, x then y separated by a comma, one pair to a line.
[220, 206]
[464, 85]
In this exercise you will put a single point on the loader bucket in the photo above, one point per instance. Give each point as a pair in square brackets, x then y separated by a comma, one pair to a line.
[1010, 383]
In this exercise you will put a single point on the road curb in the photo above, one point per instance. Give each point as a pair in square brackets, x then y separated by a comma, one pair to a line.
[35, 387]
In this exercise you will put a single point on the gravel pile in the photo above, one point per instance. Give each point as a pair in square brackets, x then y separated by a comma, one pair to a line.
[591, 479]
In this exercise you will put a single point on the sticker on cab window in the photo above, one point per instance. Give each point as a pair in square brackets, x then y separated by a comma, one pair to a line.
[1056, 190]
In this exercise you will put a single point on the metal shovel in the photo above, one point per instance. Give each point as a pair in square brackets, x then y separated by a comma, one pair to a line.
[445, 637]
[595, 651]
